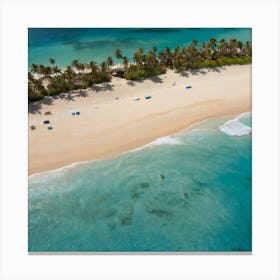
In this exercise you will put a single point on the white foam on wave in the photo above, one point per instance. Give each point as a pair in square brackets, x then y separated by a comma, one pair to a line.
[54, 172]
[244, 115]
[166, 141]
[235, 127]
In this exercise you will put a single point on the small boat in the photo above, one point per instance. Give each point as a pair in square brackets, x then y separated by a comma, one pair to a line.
[148, 97]
[50, 127]
[136, 98]
[188, 86]
[78, 113]
[46, 121]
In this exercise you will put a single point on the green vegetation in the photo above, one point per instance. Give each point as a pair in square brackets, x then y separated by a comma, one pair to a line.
[135, 72]
[146, 64]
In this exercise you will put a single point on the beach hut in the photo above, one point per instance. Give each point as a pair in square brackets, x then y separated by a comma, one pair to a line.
[188, 87]
[148, 97]
[136, 98]
[46, 121]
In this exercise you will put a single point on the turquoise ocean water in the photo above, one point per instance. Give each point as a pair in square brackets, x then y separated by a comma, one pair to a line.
[203, 203]
[86, 44]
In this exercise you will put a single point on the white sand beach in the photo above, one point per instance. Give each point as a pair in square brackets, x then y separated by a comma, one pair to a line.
[112, 122]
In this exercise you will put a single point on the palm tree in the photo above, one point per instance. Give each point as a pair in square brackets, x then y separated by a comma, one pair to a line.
[92, 66]
[165, 57]
[139, 57]
[69, 73]
[47, 71]
[151, 59]
[239, 48]
[192, 57]
[74, 63]
[68, 77]
[154, 49]
[109, 61]
[194, 42]
[125, 62]
[56, 70]
[30, 77]
[223, 48]
[118, 54]
[103, 66]
[233, 47]
[177, 58]
[41, 69]
[34, 68]
[80, 67]
[52, 61]
[247, 49]
[204, 51]
[212, 44]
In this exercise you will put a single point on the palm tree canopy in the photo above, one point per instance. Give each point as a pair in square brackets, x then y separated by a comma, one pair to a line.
[109, 61]
[118, 53]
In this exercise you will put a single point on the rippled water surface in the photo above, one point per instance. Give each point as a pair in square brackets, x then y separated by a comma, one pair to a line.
[187, 192]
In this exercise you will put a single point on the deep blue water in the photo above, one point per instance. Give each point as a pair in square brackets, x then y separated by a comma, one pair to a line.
[86, 44]
[187, 192]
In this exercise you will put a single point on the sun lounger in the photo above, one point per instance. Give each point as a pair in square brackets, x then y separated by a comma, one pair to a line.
[50, 127]
[136, 98]
[148, 97]
[46, 121]
[188, 86]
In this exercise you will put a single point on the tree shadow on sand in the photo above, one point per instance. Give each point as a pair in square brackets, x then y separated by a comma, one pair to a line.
[198, 72]
[81, 93]
[216, 69]
[36, 107]
[131, 83]
[156, 79]
[102, 87]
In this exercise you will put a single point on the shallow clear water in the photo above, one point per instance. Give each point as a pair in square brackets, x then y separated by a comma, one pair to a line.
[203, 203]
[86, 44]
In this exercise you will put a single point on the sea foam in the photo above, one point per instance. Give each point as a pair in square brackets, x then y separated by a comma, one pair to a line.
[165, 141]
[235, 128]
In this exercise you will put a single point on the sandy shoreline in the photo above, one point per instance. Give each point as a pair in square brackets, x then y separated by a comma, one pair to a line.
[111, 122]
